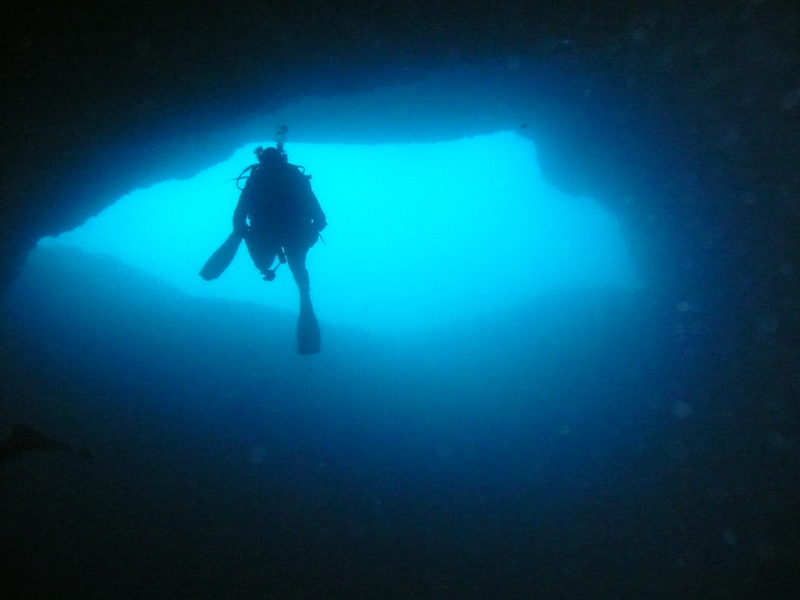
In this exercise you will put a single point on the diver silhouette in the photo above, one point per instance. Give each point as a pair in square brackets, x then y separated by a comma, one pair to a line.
[279, 217]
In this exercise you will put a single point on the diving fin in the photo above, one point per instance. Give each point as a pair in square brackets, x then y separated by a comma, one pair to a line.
[222, 257]
[308, 334]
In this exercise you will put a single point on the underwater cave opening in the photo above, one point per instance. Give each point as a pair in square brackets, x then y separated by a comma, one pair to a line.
[420, 235]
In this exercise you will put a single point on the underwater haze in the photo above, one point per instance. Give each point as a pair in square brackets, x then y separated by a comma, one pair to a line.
[495, 412]
[419, 234]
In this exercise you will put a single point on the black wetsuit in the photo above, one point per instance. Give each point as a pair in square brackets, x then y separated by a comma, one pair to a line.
[285, 218]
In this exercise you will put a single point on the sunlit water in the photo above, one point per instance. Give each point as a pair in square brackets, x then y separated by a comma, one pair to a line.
[492, 441]
[419, 235]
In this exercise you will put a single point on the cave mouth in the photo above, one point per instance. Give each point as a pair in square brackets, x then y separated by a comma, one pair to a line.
[420, 234]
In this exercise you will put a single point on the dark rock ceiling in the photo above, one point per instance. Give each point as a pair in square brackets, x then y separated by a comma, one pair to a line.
[681, 117]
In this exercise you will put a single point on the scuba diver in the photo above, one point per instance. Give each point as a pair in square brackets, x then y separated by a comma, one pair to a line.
[279, 217]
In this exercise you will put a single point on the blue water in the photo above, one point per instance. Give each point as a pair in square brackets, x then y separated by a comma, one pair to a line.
[420, 234]
[495, 411]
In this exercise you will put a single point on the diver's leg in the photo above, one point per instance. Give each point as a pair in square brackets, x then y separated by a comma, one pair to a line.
[262, 252]
[308, 334]
[296, 258]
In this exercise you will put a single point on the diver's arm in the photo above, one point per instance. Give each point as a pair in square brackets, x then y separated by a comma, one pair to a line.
[309, 208]
[240, 213]
[318, 217]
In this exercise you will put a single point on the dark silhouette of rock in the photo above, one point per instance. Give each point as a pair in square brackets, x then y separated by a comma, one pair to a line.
[26, 439]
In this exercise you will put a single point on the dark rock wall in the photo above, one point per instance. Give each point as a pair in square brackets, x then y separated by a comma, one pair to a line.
[684, 118]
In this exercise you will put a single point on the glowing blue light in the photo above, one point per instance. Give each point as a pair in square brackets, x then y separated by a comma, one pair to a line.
[419, 234]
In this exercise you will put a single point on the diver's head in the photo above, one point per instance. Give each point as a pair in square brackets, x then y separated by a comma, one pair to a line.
[270, 156]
